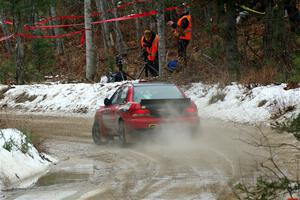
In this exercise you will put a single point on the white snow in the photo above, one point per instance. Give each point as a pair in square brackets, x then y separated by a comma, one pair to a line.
[59, 98]
[47, 195]
[19, 169]
[240, 104]
[232, 103]
[243, 105]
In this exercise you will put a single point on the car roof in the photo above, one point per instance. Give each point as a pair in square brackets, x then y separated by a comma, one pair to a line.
[152, 84]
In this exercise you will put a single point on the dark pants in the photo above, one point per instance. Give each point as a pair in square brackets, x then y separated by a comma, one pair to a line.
[150, 66]
[295, 22]
[182, 46]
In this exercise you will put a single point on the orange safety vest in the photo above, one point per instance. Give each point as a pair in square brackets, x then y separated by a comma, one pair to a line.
[187, 31]
[151, 50]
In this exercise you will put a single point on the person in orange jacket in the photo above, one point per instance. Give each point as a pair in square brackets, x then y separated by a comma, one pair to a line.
[149, 44]
[182, 30]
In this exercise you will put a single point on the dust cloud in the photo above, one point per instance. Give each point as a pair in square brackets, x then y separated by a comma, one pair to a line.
[172, 144]
[174, 137]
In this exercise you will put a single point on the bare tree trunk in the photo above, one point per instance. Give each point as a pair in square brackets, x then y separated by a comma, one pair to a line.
[230, 43]
[121, 45]
[268, 49]
[137, 25]
[161, 33]
[104, 27]
[275, 35]
[6, 33]
[90, 54]
[19, 50]
[58, 41]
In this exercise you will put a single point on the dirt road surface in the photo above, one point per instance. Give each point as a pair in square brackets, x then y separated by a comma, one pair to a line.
[170, 165]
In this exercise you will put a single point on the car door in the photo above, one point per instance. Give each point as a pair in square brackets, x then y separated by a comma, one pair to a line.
[121, 101]
[110, 111]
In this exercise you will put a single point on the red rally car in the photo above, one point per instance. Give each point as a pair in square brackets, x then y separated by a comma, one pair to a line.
[136, 107]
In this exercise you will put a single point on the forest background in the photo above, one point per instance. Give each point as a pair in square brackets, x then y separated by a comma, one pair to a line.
[244, 41]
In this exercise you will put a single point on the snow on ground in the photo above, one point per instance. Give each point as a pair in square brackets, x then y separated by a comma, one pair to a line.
[240, 104]
[20, 163]
[231, 103]
[58, 98]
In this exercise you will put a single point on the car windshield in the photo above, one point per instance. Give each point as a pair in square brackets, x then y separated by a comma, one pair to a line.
[156, 92]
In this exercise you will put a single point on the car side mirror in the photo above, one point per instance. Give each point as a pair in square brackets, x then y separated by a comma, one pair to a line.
[107, 102]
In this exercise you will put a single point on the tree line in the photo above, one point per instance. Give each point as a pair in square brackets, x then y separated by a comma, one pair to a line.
[222, 30]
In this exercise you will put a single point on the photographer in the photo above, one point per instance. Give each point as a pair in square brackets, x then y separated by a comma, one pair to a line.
[182, 33]
[120, 75]
[149, 44]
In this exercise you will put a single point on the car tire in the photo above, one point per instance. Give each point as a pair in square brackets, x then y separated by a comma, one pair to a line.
[123, 134]
[97, 134]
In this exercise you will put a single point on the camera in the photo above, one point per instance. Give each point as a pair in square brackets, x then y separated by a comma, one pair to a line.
[119, 61]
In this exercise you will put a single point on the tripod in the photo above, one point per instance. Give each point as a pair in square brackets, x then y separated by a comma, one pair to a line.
[144, 68]
[124, 75]
[119, 63]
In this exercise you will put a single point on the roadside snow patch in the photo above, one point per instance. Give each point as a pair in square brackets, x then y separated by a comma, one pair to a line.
[20, 165]
[240, 104]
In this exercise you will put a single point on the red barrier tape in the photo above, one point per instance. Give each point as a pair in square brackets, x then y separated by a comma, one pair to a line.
[93, 14]
[58, 18]
[6, 37]
[50, 36]
[133, 16]
[82, 39]
[42, 36]
[8, 22]
[27, 27]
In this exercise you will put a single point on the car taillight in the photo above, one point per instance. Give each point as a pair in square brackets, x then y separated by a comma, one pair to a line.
[191, 110]
[137, 110]
[141, 113]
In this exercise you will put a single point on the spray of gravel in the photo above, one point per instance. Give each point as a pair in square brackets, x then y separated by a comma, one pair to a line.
[173, 142]
[213, 145]
[185, 157]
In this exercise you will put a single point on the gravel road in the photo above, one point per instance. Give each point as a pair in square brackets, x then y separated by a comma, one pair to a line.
[170, 165]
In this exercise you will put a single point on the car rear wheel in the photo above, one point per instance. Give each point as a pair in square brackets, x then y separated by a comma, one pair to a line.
[123, 134]
[96, 133]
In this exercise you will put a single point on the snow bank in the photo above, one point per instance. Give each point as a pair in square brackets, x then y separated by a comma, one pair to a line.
[232, 103]
[19, 169]
[240, 104]
[63, 98]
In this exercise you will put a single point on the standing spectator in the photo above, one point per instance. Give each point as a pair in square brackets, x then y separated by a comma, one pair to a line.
[182, 32]
[149, 44]
[293, 13]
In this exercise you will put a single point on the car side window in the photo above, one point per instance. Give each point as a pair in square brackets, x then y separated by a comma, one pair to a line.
[115, 96]
[122, 96]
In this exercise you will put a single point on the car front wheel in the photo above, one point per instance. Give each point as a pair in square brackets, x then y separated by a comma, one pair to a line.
[96, 133]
